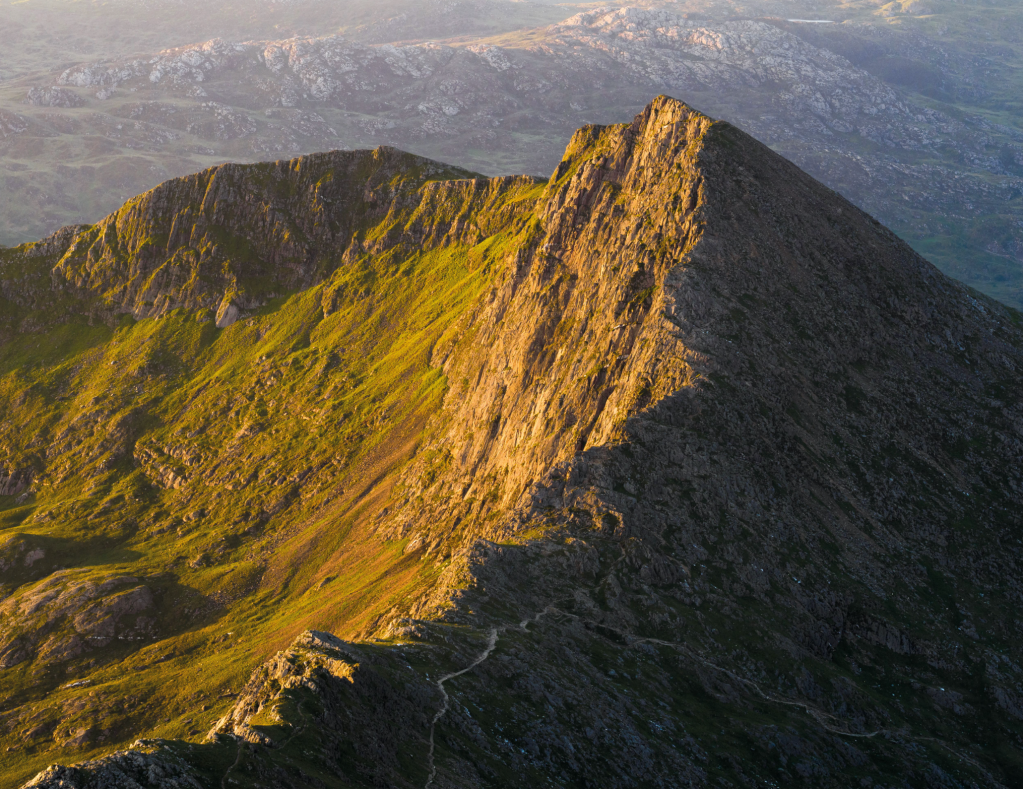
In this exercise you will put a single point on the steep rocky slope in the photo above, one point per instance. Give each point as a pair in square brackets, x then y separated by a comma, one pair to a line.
[698, 475]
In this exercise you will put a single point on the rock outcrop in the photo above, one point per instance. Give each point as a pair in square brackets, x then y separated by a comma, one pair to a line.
[14, 482]
[63, 617]
[144, 766]
[371, 707]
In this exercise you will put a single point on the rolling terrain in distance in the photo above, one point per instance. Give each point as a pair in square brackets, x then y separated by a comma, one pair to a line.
[909, 110]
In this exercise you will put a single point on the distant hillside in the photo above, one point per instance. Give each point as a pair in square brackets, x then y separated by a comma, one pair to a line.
[897, 109]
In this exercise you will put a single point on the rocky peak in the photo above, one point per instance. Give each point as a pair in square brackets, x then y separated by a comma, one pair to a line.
[225, 241]
[673, 255]
[233, 236]
[573, 338]
[721, 466]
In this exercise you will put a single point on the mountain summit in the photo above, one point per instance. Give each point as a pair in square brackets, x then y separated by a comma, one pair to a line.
[673, 470]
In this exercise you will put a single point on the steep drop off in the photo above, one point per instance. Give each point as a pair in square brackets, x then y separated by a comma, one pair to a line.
[674, 470]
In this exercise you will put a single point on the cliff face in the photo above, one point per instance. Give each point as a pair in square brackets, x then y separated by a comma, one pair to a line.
[675, 260]
[721, 482]
[235, 236]
[574, 338]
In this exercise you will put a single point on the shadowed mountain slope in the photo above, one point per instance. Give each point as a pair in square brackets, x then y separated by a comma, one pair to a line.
[674, 470]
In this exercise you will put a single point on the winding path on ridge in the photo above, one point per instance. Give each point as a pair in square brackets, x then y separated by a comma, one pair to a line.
[233, 767]
[491, 643]
[822, 718]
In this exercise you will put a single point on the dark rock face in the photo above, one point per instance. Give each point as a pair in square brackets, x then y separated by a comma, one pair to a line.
[726, 488]
[14, 482]
[229, 238]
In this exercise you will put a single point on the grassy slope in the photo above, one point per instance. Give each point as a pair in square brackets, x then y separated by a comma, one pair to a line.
[288, 427]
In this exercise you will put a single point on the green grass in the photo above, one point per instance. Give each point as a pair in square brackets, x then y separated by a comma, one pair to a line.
[287, 429]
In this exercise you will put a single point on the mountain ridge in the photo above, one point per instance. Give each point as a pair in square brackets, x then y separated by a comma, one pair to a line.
[893, 117]
[704, 458]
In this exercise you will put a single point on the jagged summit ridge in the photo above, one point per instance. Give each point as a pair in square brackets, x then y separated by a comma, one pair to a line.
[239, 233]
[233, 237]
[657, 238]
[723, 483]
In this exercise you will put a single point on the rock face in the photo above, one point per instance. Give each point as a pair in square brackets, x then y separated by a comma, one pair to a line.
[14, 482]
[725, 487]
[62, 617]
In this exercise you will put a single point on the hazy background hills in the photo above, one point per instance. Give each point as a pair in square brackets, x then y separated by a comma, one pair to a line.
[911, 109]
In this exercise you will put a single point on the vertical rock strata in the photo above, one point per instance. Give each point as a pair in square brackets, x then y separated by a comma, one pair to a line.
[577, 337]
[725, 488]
